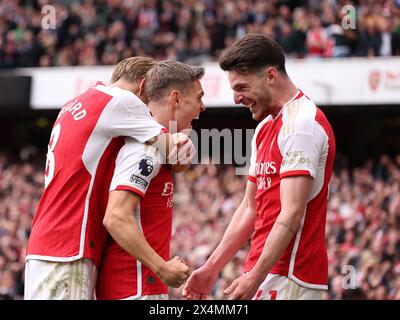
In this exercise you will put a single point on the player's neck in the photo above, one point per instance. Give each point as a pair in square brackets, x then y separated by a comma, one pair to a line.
[160, 113]
[126, 85]
[286, 92]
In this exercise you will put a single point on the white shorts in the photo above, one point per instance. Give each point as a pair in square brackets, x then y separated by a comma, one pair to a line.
[149, 297]
[276, 287]
[49, 280]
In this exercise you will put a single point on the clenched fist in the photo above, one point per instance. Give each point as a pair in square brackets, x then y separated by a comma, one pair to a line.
[174, 272]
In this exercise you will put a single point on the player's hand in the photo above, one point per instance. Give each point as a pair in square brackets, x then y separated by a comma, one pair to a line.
[183, 149]
[243, 288]
[174, 273]
[199, 284]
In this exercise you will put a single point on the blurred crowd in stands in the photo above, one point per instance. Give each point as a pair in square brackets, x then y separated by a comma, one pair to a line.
[102, 32]
[362, 232]
[21, 185]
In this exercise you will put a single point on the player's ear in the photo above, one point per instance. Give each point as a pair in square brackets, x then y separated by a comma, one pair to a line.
[141, 86]
[270, 74]
[142, 94]
[175, 97]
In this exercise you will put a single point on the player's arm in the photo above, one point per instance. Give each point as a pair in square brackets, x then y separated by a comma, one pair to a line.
[178, 147]
[294, 193]
[135, 166]
[130, 117]
[238, 232]
[121, 223]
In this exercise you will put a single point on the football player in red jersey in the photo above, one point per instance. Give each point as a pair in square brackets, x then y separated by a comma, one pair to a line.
[139, 213]
[68, 237]
[284, 208]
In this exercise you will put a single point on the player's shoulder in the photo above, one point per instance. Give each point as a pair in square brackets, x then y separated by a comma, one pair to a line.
[262, 125]
[299, 116]
[135, 149]
[124, 97]
[259, 132]
[142, 155]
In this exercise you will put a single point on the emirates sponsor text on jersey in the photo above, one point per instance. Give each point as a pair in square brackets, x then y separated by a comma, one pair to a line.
[265, 168]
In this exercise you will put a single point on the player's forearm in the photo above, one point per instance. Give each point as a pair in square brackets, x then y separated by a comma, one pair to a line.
[282, 233]
[238, 232]
[125, 231]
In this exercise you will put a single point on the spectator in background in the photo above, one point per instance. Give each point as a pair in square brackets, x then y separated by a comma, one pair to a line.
[317, 38]
[369, 43]
[105, 33]
[291, 40]
[384, 27]
[300, 27]
[20, 187]
[341, 41]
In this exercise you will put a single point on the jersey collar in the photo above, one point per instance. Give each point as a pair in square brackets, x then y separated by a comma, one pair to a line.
[298, 95]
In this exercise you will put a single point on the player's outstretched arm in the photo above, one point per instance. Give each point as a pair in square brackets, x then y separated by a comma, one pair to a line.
[239, 230]
[120, 222]
[294, 193]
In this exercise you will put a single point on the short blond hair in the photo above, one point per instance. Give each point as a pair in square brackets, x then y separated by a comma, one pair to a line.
[132, 69]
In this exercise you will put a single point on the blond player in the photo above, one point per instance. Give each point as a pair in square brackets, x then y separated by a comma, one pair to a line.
[68, 237]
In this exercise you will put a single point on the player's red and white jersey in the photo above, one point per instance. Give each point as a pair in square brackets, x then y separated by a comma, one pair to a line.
[83, 147]
[298, 141]
[120, 275]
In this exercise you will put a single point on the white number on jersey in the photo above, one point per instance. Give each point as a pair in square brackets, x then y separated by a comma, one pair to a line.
[50, 160]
